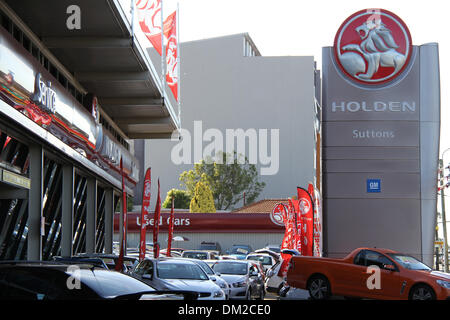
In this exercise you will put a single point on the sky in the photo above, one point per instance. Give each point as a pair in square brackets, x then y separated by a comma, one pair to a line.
[302, 28]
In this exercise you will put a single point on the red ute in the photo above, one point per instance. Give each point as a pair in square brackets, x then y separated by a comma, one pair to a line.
[368, 273]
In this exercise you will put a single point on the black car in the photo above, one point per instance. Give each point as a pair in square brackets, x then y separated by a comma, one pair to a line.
[101, 260]
[24, 280]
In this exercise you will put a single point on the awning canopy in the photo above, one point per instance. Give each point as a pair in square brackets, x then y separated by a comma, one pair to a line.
[108, 59]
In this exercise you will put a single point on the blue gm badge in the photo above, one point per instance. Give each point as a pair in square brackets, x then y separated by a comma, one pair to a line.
[374, 185]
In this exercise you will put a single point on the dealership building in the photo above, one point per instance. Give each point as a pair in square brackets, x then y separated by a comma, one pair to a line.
[72, 98]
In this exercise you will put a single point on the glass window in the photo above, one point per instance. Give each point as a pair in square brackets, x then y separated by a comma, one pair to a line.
[409, 262]
[144, 267]
[180, 271]
[359, 259]
[374, 258]
[230, 268]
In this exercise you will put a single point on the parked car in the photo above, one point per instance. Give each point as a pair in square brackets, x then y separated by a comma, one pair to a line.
[243, 277]
[102, 260]
[274, 283]
[173, 252]
[214, 276]
[273, 247]
[401, 276]
[177, 274]
[26, 280]
[266, 260]
[239, 251]
[199, 254]
[211, 246]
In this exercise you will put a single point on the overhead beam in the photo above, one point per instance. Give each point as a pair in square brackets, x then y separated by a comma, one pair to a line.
[165, 135]
[132, 102]
[112, 76]
[86, 42]
[142, 120]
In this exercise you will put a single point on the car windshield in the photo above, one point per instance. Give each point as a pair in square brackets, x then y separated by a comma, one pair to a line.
[230, 268]
[240, 250]
[205, 267]
[263, 259]
[180, 271]
[195, 255]
[409, 262]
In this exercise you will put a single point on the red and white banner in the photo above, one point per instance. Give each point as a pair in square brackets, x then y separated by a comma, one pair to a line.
[317, 247]
[288, 240]
[156, 225]
[306, 213]
[170, 31]
[118, 266]
[145, 211]
[171, 222]
[149, 16]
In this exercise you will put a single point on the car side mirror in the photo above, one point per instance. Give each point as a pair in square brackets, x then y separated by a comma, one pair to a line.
[147, 276]
[218, 274]
[389, 267]
[213, 278]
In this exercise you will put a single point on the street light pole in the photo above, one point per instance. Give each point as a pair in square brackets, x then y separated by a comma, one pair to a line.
[444, 219]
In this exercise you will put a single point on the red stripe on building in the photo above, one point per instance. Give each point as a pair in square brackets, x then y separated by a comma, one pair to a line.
[208, 222]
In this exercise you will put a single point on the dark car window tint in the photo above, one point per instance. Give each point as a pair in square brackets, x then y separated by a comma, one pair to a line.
[180, 271]
[373, 258]
[144, 267]
[359, 259]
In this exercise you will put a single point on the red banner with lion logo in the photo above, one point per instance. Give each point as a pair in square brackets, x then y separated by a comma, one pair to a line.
[306, 214]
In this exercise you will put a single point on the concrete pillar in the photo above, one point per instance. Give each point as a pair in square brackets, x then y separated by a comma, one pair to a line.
[91, 214]
[109, 219]
[67, 210]
[34, 249]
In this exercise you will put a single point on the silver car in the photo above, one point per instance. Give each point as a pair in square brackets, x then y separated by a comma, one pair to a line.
[177, 274]
[214, 276]
[244, 278]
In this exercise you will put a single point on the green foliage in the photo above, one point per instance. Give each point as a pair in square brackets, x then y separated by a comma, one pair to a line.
[181, 199]
[228, 181]
[202, 201]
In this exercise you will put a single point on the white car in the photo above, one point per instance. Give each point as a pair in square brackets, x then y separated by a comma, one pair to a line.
[244, 278]
[177, 274]
[266, 260]
[274, 283]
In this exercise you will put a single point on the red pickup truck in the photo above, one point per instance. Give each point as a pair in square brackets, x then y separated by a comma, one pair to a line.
[368, 273]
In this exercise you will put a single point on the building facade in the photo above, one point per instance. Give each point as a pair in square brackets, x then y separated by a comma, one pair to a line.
[71, 101]
[235, 99]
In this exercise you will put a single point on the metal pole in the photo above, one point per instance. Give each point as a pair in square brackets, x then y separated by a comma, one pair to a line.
[444, 220]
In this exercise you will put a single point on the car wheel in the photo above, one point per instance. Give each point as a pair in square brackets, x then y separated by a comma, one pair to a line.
[319, 288]
[422, 292]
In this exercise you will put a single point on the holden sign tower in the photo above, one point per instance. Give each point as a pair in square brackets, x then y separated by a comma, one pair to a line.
[381, 119]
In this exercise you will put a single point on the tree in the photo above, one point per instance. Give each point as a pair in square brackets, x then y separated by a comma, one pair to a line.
[181, 199]
[228, 180]
[203, 200]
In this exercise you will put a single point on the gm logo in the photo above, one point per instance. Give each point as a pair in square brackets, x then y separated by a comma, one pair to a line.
[373, 185]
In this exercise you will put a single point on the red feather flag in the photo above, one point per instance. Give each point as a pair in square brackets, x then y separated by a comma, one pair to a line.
[169, 242]
[156, 224]
[145, 211]
[306, 212]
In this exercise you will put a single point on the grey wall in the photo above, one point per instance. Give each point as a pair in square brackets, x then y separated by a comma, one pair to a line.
[226, 90]
[398, 146]
[226, 240]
